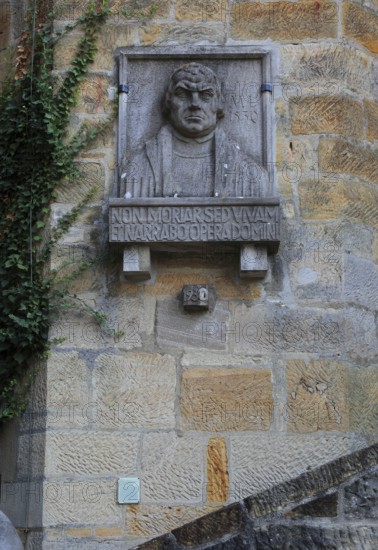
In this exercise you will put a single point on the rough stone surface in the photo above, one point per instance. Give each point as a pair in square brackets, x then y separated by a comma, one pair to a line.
[253, 469]
[224, 400]
[317, 396]
[284, 20]
[322, 68]
[217, 470]
[327, 115]
[81, 502]
[361, 24]
[341, 157]
[284, 329]
[363, 392]
[176, 476]
[144, 520]
[177, 329]
[371, 110]
[361, 282]
[86, 453]
[333, 198]
[118, 380]
[361, 498]
[322, 507]
[198, 10]
[67, 385]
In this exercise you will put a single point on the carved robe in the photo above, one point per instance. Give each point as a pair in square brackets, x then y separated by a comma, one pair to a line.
[227, 172]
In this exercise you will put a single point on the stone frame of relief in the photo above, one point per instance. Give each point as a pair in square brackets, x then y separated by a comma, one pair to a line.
[145, 215]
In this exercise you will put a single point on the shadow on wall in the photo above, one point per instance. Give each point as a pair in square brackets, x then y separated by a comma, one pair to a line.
[9, 540]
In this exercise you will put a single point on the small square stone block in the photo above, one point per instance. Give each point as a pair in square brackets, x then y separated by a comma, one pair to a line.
[195, 297]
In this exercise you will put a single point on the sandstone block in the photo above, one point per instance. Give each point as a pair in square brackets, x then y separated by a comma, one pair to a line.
[91, 501]
[371, 110]
[324, 69]
[108, 532]
[182, 33]
[79, 532]
[317, 396]
[139, 9]
[111, 37]
[198, 10]
[171, 468]
[226, 399]
[177, 329]
[314, 255]
[121, 327]
[331, 197]
[254, 469]
[361, 282]
[144, 520]
[361, 24]
[284, 20]
[65, 49]
[93, 96]
[135, 390]
[88, 453]
[341, 157]
[92, 174]
[67, 383]
[327, 115]
[216, 359]
[270, 328]
[217, 470]
[363, 391]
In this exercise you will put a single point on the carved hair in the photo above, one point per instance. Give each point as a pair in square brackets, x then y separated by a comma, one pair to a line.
[194, 72]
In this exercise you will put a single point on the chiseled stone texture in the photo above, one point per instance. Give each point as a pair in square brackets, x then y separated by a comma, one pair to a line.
[267, 329]
[144, 520]
[217, 470]
[314, 255]
[363, 400]
[87, 453]
[254, 469]
[178, 329]
[226, 399]
[284, 20]
[151, 34]
[361, 24]
[371, 110]
[67, 384]
[327, 115]
[332, 198]
[90, 501]
[317, 396]
[342, 157]
[325, 69]
[199, 10]
[135, 390]
[361, 282]
[122, 329]
[172, 468]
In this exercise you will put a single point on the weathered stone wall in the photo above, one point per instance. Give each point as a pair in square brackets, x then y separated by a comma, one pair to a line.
[282, 376]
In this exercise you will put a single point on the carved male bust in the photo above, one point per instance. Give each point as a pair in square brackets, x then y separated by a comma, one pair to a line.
[192, 156]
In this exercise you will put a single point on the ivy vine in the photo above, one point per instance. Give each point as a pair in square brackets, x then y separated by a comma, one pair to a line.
[36, 154]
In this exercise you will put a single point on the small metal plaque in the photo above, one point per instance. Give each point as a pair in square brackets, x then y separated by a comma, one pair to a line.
[195, 297]
[128, 490]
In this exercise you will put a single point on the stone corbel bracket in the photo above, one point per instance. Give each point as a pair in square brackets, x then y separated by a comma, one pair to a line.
[140, 224]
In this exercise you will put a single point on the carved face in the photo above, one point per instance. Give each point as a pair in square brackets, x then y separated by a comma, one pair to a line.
[193, 108]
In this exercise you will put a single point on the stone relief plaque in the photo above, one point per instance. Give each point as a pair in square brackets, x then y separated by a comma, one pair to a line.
[194, 149]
